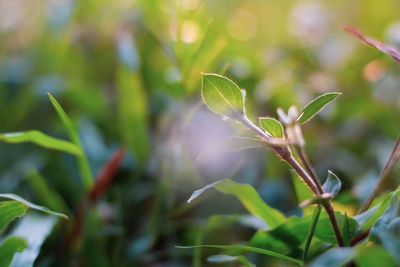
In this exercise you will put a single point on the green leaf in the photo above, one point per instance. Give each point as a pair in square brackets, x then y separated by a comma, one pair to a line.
[83, 163]
[133, 117]
[346, 231]
[369, 217]
[249, 198]
[332, 184]
[227, 145]
[249, 249]
[31, 205]
[272, 126]
[222, 95]
[313, 226]
[303, 192]
[316, 106]
[369, 256]
[10, 246]
[9, 210]
[288, 236]
[41, 139]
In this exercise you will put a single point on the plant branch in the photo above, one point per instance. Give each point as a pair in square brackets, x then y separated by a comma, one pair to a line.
[286, 154]
[387, 170]
[307, 165]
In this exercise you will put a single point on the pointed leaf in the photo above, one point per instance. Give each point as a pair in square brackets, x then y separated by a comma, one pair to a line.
[247, 248]
[221, 258]
[41, 139]
[32, 206]
[346, 231]
[332, 184]
[222, 95]
[83, 163]
[9, 210]
[10, 246]
[249, 198]
[227, 145]
[316, 106]
[272, 126]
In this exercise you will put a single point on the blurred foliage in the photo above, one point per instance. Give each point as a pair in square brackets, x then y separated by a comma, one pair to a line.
[128, 73]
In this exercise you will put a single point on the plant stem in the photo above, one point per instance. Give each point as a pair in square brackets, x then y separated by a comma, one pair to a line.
[286, 154]
[307, 165]
[387, 170]
[314, 222]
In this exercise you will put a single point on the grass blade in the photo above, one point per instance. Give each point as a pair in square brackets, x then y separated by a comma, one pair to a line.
[313, 226]
[83, 163]
[41, 139]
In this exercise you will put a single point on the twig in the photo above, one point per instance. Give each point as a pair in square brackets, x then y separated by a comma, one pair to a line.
[286, 154]
[386, 171]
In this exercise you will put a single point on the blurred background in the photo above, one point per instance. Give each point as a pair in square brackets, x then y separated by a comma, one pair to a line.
[129, 75]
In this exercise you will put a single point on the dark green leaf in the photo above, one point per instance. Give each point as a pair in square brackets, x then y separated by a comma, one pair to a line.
[41, 139]
[9, 210]
[83, 163]
[272, 126]
[31, 205]
[249, 198]
[332, 184]
[222, 95]
[10, 246]
[316, 106]
[313, 226]
[247, 248]
[227, 145]
[346, 234]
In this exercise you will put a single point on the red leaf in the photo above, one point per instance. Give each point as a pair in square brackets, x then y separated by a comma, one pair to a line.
[387, 49]
[106, 176]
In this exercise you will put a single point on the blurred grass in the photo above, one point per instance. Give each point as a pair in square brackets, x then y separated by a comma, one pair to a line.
[128, 74]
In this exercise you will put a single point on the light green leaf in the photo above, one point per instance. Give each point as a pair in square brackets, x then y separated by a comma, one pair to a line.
[41, 139]
[369, 256]
[10, 246]
[9, 210]
[303, 192]
[83, 163]
[222, 95]
[247, 248]
[272, 126]
[227, 145]
[249, 198]
[332, 184]
[316, 106]
[369, 217]
[31, 205]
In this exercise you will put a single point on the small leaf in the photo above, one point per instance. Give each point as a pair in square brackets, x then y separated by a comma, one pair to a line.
[222, 95]
[41, 139]
[247, 248]
[387, 49]
[272, 126]
[83, 163]
[227, 145]
[316, 106]
[9, 210]
[332, 184]
[249, 198]
[31, 205]
[10, 246]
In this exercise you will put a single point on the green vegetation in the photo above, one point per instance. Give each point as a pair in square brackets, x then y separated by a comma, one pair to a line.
[120, 120]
